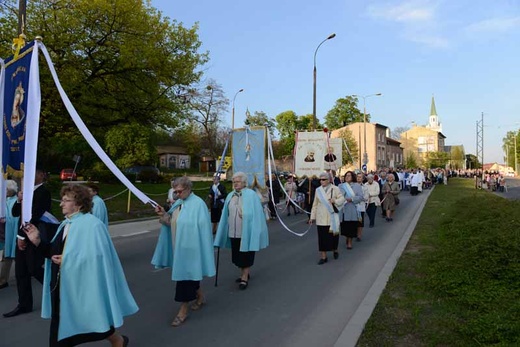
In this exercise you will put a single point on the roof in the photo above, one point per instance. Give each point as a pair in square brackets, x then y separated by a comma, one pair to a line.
[433, 110]
[171, 150]
[390, 141]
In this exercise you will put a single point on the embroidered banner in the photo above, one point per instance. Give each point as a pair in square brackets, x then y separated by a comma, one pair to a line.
[310, 150]
[333, 158]
[249, 153]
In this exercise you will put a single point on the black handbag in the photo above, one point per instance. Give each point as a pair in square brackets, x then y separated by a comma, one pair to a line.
[333, 205]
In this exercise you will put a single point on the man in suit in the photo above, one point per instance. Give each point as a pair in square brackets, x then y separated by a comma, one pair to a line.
[28, 259]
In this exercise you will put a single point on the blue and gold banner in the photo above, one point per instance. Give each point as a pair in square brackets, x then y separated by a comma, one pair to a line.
[249, 154]
[15, 102]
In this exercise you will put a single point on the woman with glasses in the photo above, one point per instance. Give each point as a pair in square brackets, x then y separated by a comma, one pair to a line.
[186, 245]
[85, 292]
[242, 227]
[350, 215]
[327, 202]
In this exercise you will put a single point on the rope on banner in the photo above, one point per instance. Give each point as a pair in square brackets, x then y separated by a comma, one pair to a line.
[224, 152]
[269, 161]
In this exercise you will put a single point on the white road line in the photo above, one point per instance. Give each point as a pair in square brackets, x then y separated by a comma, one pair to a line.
[134, 234]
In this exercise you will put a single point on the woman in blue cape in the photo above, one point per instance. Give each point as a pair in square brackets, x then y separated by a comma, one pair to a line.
[11, 229]
[85, 292]
[186, 245]
[99, 209]
[242, 227]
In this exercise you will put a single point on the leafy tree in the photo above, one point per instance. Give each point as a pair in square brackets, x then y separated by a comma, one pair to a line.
[411, 161]
[344, 112]
[120, 62]
[472, 162]
[260, 118]
[436, 159]
[131, 144]
[509, 147]
[287, 124]
[352, 157]
[457, 157]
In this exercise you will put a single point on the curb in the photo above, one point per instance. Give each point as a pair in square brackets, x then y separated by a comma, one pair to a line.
[354, 328]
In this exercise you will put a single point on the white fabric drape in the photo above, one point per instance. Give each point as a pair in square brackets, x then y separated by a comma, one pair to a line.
[2, 179]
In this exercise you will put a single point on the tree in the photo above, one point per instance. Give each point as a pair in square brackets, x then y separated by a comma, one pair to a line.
[287, 124]
[397, 131]
[344, 112]
[457, 157]
[208, 103]
[411, 161]
[120, 62]
[436, 159]
[350, 156]
[260, 118]
[509, 147]
[131, 144]
[472, 162]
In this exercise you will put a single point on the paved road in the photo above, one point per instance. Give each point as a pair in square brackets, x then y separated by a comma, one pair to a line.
[513, 189]
[290, 301]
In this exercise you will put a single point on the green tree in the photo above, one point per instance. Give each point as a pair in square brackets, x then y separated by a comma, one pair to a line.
[350, 156]
[411, 161]
[287, 124]
[131, 144]
[508, 146]
[120, 62]
[436, 159]
[457, 157]
[344, 112]
[260, 118]
[472, 162]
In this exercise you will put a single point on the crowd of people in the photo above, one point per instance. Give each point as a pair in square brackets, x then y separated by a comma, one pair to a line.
[76, 258]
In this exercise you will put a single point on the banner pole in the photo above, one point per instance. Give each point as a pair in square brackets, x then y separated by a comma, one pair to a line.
[128, 204]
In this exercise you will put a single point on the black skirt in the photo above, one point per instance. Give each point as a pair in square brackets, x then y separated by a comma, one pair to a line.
[361, 223]
[216, 212]
[241, 259]
[327, 241]
[349, 228]
[186, 291]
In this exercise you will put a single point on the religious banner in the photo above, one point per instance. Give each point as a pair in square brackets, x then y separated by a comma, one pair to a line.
[249, 154]
[333, 158]
[21, 102]
[17, 105]
[310, 150]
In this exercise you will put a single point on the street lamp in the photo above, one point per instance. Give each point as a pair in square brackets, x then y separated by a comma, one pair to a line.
[331, 36]
[233, 110]
[364, 97]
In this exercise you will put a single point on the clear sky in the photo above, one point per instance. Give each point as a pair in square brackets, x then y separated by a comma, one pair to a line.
[464, 52]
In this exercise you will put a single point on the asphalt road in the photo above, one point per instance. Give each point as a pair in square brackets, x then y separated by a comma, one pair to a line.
[290, 301]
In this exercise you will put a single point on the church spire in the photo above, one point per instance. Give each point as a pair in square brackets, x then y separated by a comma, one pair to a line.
[433, 111]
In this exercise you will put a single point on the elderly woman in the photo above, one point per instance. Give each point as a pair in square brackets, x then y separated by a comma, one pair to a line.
[390, 191]
[350, 215]
[291, 188]
[361, 206]
[242, 227]
[85, 292]
[217, 196]
[186, 245]
[372, 188]
[325, 207]
[11, 229]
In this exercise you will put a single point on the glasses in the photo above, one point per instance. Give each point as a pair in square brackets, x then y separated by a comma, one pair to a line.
[178, 191]
[324, 179]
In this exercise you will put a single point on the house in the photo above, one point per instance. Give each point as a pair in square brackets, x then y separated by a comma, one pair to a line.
[173, 157]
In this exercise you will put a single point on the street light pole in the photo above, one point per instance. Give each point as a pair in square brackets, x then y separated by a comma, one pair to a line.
[331, 36]
[233, 110]
[365, 155]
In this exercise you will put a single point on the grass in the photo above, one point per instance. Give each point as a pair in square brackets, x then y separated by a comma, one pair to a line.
[116, 198]
[458, 281]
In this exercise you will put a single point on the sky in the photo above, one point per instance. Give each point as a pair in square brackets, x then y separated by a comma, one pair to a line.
[465, 53]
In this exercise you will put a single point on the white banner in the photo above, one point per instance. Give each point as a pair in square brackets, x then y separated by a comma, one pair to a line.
[333, 157]
[310, 150]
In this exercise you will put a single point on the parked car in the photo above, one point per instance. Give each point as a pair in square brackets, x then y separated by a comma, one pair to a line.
[144, 173]
[68, 175]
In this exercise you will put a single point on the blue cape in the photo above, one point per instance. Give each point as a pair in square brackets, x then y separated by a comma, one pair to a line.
[254, 227]
[11, 228]
[193, 257]
[99, 209]
[94, 294]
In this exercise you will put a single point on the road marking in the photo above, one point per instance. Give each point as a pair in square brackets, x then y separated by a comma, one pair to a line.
[134, 234]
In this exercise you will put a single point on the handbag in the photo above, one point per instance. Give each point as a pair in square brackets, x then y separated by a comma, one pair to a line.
[333, 205]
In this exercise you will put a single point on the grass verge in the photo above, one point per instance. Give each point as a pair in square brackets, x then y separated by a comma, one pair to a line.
[458, 281]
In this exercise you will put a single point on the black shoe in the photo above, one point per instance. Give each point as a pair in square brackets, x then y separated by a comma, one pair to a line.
[288, 214]
[322, 261]
[5, 285]
[17, 311]
[243, 285]
[358, 239]
[336, 255]
[126, 340]
[238, 280]
[371, 226]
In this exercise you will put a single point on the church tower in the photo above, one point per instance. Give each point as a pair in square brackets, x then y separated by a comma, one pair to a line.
[433, 122]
